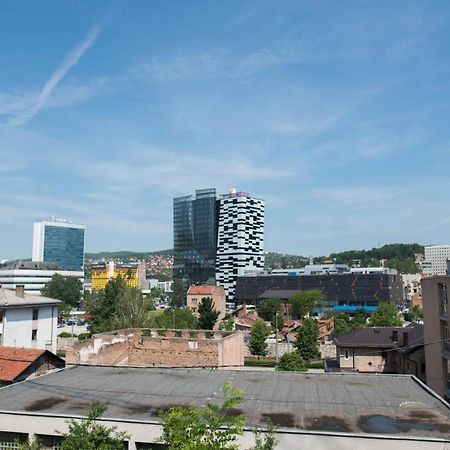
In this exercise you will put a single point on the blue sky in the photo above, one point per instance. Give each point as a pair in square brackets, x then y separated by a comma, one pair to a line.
[336, 113]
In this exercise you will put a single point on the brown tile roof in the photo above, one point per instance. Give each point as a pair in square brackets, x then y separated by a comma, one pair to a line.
[201, 290]
[13, 361]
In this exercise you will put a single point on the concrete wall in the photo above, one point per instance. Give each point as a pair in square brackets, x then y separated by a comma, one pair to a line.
[148, 432]
[17, 328]
[160, 348]
[327, 350]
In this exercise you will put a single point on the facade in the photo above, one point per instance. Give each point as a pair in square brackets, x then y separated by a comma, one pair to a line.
[436, 257]
[240, 243]
[195, 236]
[28, 321]
[195, 295]
[102, 273]
[349, 289]
[32, 275]
[383, 350]
[436, 319]
[60, 242]
[18, 364]
[412, 286]
[309, 410]
[160, 348]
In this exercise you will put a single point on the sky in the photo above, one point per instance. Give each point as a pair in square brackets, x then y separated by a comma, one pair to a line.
[336, 113]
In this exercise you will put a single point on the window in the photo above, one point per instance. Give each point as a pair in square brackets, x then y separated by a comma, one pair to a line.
[346, 353]
[443, 298]
[35, 314]
[11, 440]
[34, 335]
[446, 335]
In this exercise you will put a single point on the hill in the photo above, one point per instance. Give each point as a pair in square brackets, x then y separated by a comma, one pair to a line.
[125, 254]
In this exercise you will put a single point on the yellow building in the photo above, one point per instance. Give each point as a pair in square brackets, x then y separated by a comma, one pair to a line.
[102, 273]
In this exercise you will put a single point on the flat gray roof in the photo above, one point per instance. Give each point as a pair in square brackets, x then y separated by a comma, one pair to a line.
[347, 403]
[8, 298]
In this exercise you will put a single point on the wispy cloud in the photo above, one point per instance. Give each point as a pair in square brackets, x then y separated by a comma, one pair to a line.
[70, 60]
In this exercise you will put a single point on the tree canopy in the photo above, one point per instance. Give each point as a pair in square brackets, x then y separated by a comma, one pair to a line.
[268, 308]
[386, 315]
[178, 318]
[292, 362]
[207, 315]
[303, 302]
[132, 309]
[67, 289]
[307, 343]
[178, 295]
[257, 342]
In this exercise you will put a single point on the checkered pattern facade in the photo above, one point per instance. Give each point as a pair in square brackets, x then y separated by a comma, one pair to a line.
[240, 242]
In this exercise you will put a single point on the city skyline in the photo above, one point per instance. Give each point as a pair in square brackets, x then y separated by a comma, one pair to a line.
[108, 112]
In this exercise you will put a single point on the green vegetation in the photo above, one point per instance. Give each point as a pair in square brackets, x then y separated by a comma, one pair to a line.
[67, 289]
[208, 316]
[127, 254]
[268, 308]
[415, 314]
[386, 315]
[214, 427]
[259, 362]
[132, 309]
[302, 303]
[227, 323]
[307, 343]
[293, 362]
[257, 342]
[282, 261]
[343, 323]
[178, 295]
[65, 334]
[181, 319]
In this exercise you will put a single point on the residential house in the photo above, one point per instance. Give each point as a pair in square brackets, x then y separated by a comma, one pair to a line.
[196, 294]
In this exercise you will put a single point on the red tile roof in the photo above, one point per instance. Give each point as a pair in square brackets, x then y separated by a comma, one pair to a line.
[201, 290]
[13, 361]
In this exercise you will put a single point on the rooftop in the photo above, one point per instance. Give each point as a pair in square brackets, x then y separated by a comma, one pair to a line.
[347, 403]
[13, 361]
[201, 290]
[29, 265]
[8, 298]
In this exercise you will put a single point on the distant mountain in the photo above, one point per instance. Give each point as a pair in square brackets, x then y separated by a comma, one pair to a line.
[127, 254]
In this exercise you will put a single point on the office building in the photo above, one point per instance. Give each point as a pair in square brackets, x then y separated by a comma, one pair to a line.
[436, 319]
[344, 290]
[308, 410]
[195, 236]
[28, 321]
[436, 257]
[60, 242]
[32, 275]
[240, 242]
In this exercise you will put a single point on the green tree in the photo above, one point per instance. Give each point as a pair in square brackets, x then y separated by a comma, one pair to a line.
[227, 323]
[132, 309]
[64, 311]
[359, 319]
[303, 302]
[178, 295]
[88, 434]
[176, 318]
[277, 322]
[342, 324]
[386, 315]
[307, 343]
[207, 315]
[67, 289]
[257, 342]
[268, 308]
[415, 314]
[292, 361]
[33, 444]
[212, 427]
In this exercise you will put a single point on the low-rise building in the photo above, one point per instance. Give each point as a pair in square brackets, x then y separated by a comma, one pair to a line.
[310, 410]
[436, 319]
[18, 364]
[160, 348]
[132, 274]
[28, 321]
[383, 350]
[32, 275]
[196, 294]
[412, 286]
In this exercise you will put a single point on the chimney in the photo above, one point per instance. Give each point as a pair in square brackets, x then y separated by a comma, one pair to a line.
[20, 290]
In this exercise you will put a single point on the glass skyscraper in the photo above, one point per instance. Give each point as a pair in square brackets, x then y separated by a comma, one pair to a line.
[195, 222]
[60, 242]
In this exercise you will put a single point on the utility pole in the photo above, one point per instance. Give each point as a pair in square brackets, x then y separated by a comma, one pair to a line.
[276, 336]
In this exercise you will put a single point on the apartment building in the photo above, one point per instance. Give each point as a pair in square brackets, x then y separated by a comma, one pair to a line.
[195, 295]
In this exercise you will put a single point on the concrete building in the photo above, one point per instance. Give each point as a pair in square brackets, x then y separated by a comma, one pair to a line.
[436, 257]
[383, 350]
[160, 348]
[18, 364]
[436, 318]
[32, 275]
[195, 295]
[411, 285]
[240, 242]
[311, 411]
[59, 241]
[28, 321]
[102, 273]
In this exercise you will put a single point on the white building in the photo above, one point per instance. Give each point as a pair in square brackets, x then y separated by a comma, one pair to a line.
[240, 239]
[436, 257]
[59, 241]
[411, 284]
[28, 321]
[32, 275]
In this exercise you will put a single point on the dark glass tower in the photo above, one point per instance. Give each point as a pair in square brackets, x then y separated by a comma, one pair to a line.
[195, 222]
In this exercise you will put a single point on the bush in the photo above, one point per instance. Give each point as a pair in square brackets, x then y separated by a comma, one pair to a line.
[65, 334]
[292, 361]
[84, 336]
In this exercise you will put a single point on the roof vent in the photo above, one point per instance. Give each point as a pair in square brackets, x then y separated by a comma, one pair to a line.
[376, 330]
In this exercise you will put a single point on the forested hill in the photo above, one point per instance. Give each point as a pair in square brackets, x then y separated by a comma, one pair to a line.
[125, 254]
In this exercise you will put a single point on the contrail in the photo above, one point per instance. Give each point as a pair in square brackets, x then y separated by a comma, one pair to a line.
[70, 60]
